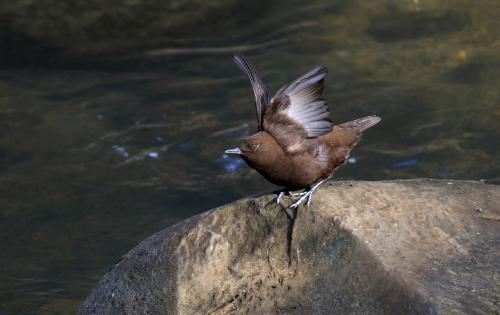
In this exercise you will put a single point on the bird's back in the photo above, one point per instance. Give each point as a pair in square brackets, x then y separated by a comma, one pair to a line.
[327, 152]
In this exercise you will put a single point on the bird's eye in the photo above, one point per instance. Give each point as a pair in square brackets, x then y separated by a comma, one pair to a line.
[254, 146]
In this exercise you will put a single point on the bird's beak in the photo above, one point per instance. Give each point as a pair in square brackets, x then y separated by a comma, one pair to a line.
[235, 151]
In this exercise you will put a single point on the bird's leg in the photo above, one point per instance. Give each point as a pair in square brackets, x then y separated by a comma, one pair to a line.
[280, 195]
[278, 201]
[307, 194]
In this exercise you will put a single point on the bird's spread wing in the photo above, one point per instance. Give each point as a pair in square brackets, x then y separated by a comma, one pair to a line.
[262, 96]
[297, 112]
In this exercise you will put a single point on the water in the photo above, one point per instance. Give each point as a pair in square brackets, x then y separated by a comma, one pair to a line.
[100, 148]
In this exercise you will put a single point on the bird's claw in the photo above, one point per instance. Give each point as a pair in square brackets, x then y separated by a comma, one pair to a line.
[304, 195]
[307, 194]
[298, 194]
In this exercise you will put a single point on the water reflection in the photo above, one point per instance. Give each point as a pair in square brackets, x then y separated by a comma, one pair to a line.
[99, 150]
[230, 164]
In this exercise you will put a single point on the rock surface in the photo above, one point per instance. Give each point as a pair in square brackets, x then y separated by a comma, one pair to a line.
[390, 247]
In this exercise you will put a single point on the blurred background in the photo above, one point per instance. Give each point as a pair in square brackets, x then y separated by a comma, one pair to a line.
[114, 115]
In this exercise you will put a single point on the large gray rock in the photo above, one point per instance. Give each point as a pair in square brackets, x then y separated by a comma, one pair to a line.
[391, 247]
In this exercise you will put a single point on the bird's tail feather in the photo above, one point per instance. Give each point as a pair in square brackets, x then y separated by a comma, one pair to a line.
[361, 124]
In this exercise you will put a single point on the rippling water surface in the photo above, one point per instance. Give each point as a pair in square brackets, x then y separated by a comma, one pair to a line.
[100, 150]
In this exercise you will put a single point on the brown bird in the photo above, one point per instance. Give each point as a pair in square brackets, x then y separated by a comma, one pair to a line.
[297, 146]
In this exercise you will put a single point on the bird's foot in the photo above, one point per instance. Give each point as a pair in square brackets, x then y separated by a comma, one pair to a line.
[305, 195]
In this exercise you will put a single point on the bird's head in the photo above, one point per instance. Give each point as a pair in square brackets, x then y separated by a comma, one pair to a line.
[258, 150]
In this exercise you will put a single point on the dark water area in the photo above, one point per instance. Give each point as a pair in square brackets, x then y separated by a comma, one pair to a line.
[115, 128]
